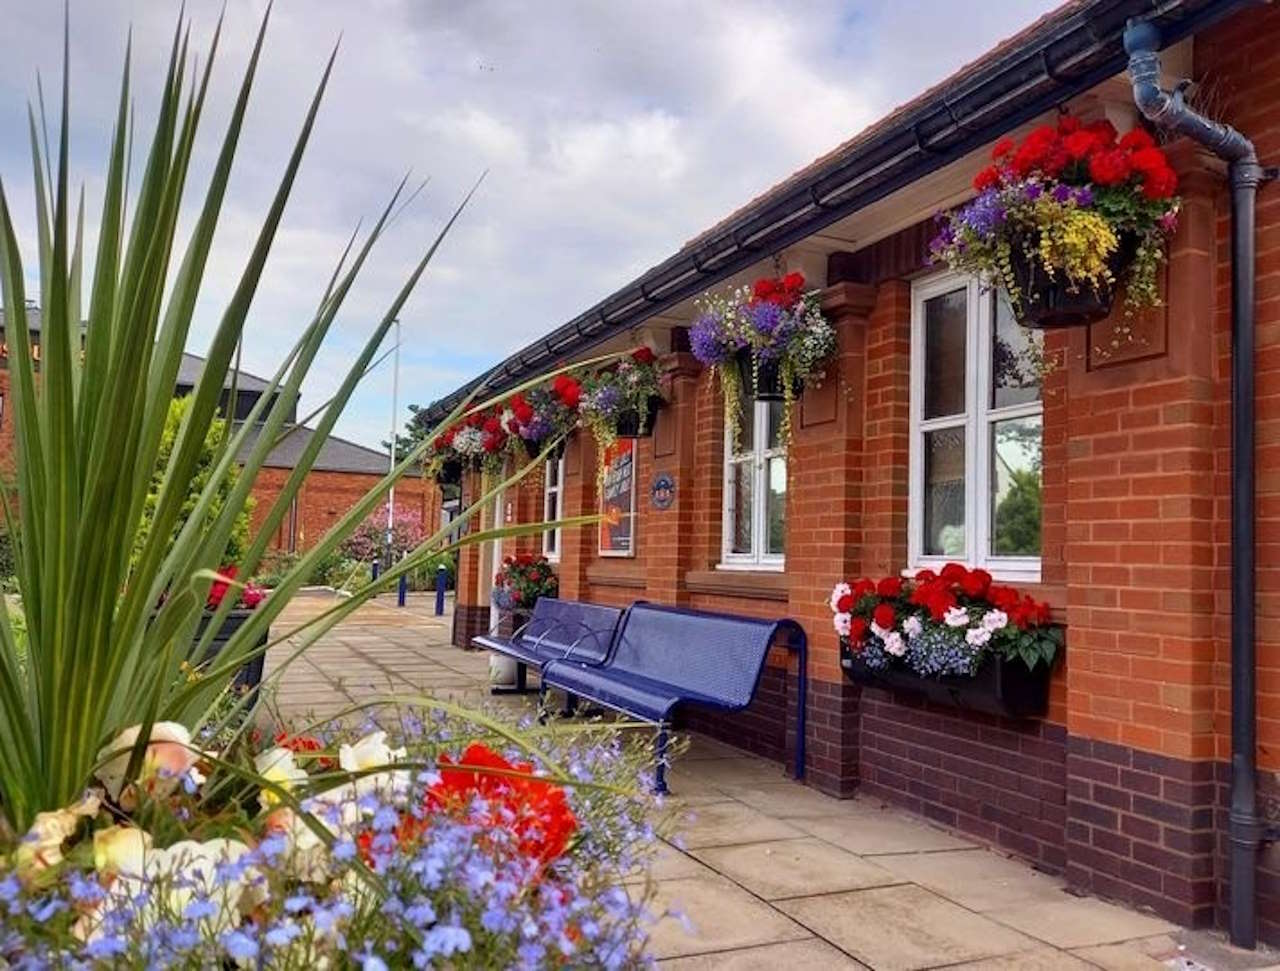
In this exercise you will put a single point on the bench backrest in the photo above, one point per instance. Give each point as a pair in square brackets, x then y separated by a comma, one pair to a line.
[716, 655]
[569, 626]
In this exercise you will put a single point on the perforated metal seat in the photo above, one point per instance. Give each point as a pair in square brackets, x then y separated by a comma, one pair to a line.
[558, 629]
[663, 657]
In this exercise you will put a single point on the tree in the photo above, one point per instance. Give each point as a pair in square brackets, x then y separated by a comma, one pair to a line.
[1017, 526]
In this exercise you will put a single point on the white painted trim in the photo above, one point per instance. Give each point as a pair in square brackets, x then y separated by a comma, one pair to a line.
[758, 459]
[553, 556]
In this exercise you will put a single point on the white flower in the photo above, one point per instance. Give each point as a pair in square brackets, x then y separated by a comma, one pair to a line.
[912, 626]
[306, 855]
[956, 617]
[894, 644]
[373, 752]
[977, 636]
[41, 847]
[277, 765]
[169, 756]
[840, 590]
[880, 632]
[994, 620]
[121, 851]
[843, 624]
[190, 870]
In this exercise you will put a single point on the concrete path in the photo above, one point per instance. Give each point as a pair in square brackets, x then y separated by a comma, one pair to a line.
[764, 873]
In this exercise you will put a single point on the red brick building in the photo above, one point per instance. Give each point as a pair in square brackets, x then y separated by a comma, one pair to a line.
[1124, 785]
[341, 474]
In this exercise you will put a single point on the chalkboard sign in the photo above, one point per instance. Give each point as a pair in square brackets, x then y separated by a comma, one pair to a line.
[618, 499]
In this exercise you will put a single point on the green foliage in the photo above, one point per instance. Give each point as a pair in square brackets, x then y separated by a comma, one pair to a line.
[206, 463]
[1017, 526]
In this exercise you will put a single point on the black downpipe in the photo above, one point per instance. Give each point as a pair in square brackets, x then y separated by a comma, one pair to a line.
[1168, 109]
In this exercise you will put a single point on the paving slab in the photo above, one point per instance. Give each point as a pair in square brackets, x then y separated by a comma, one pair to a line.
[1075, 922]
[904, 928]
[871, 832]
[788, 799]
[1041, 959]
[668, 863]
[716, 915]
[809, 955]
[731, 823]
[978, 879]
[793, 868]
[736, 771]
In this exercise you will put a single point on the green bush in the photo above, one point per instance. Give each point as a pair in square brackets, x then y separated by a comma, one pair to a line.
[424, 577]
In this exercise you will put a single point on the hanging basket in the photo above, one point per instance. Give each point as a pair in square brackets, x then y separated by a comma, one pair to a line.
[1050, 302]
[633, 424]
[763, 381]
[450, 472]
[534, 449]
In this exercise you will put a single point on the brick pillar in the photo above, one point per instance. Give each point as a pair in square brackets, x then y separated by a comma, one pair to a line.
[670, 552]
[824, 533]
[1140, 587]
[577, 546]
[470, 615]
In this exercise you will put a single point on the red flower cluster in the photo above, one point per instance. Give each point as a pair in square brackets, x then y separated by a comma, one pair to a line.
[1077, 153]
[785, 291]
[527, 576]
[643, 355]
[306, 745]
[250, 596]
[568, 389]
[936, 593]
[520, 409]
[493, 436]
[536, 810]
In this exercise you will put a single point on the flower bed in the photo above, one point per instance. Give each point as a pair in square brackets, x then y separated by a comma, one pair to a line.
[1062, 217]
[945, 627]
[428, 851]
[767, 343]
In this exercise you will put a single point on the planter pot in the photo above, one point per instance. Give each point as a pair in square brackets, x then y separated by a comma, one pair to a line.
[1000, 687]
[633, 424]
[250, 675]
[1050, 303]
[534, 449]
[763, 382]
[450, 473]
[504, 672]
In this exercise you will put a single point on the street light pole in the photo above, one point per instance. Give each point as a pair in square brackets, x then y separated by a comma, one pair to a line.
[395, 408]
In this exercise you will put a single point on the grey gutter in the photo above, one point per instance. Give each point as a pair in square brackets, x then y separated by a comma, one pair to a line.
[1063, 58]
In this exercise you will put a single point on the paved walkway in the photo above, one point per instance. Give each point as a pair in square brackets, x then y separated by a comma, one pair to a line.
[769, 874]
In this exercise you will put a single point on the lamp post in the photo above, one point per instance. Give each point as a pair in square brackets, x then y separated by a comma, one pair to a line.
[395, 407]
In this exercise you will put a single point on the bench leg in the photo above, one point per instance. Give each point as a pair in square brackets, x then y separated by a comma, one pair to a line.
[521, 685]
[660, 776]
[570, 705]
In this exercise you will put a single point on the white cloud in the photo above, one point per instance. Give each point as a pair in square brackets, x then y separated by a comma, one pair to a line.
[612, 132]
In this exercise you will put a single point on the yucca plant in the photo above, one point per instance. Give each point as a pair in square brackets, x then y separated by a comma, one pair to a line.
[108, 625]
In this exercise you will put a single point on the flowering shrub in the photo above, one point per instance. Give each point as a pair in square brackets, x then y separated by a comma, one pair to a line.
[369, 540]
[1070, 199]
[249, 594]
[522, 580]
[946, 623]
[778, 324]
[428, 851]
[613, 391]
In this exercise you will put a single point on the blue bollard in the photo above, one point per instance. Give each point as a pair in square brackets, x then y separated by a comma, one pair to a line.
[377, 568]
[442, 576]
[402, 589]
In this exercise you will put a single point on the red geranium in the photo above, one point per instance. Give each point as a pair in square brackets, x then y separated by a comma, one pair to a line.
[1137, 139]
[863, 587]
[568, 390]
[889, 587]
[884, 615]
[1110, 167]
[643, 355]
[857, 630]
[975, 583]
[986, 178]
[1003, 147]
[954, 572]
[306, 745]
[536, 810]
[1081, 143]
[845, 604]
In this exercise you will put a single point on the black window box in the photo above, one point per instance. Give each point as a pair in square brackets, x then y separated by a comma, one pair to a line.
[1001, 687]
[249, 676]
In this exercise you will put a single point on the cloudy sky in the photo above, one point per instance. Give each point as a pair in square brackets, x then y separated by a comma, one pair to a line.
[611, 130]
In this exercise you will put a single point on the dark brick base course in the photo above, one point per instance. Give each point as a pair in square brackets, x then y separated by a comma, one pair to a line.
[1002, 781]
[468, 621]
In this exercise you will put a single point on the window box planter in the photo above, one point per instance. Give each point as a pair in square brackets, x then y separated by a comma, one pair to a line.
[1049, 303]
[632, 424]
[763, 382]
[250, 674]
[1001, 687]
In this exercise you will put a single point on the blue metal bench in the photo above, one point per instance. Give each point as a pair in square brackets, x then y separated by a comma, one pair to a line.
[663, 657]
[557, 630]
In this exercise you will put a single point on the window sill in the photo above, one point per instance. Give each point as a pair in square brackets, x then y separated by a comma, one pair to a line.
[750, 584]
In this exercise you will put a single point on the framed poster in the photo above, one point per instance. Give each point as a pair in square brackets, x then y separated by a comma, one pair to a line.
[618, 500]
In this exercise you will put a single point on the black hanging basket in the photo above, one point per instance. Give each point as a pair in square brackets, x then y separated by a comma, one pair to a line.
[450, 472]
[534, 449]
[1001, 687]
[1049, 303]
[763, 382]
[633, 424]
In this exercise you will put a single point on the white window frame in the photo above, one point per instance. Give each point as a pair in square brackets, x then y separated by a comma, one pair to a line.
[976, 421]
[548, 490]
[758, 457]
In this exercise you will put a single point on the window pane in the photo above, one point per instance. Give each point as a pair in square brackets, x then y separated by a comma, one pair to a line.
[776, 508]
[774, 424]
[944, 492]
[549, 543]
[945, 329]
[740, 507]
[747, 427]
[1015, 487]
[553, 473]
[1016, 354]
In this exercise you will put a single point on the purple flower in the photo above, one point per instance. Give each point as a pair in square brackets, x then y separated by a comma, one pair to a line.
[985, 214]
[1062, 193]
[239, 946]
[705, 340]
[1032, 190]
[1084, 196]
